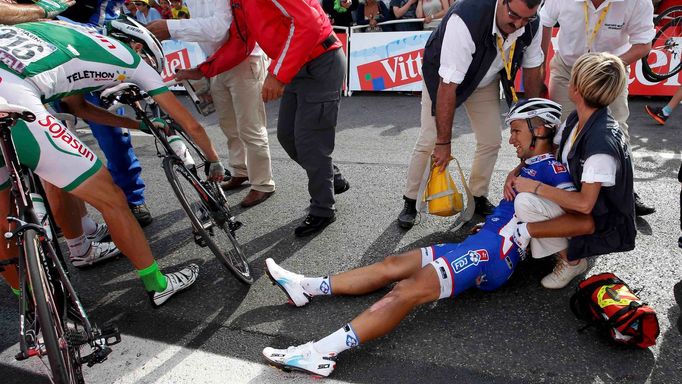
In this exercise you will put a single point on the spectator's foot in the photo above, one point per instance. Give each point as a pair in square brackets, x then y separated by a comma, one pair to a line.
[563, 273]
[483, 206]
[97, 252]
[255, 197]
[177, 281]
[141, 214]
[656, 113]
[679, 242]
[288, 282]
[313, 224]
[234, 183]
[408, 215]
[642, 209]
[101, 233]
[303, 358]
[341, 185]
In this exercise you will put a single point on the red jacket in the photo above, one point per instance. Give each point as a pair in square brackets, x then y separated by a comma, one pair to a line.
[290, 32]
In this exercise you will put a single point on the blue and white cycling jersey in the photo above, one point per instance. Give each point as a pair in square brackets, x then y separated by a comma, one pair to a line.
[488, 258]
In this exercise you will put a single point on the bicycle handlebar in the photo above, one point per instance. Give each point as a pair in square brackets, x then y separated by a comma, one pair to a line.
[10, 113]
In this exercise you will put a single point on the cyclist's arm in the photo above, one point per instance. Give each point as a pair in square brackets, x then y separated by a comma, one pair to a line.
[78, 106]
[169, 103]
[19, 13]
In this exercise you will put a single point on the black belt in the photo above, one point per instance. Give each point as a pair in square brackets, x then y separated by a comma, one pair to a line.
[329, 41]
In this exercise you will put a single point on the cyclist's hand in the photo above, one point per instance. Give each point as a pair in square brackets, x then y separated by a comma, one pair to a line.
[188, 74]
[159, 123]
[476, 228]
[216, 171]
[509, 192]
[54, 7]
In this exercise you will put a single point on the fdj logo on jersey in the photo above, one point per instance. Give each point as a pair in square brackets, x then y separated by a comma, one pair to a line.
[471, 258]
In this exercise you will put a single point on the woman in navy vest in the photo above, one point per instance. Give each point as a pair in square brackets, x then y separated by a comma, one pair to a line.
[596, 153]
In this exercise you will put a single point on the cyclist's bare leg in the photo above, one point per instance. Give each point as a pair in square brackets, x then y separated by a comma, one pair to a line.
[384, 315]
[378, 275]
[7, 251]
[101, 193]
[66, 210]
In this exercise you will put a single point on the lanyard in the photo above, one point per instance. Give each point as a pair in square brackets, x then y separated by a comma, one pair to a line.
[590, 36]
[508, 64]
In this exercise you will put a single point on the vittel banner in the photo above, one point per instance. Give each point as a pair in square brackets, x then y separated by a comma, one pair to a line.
[180, 55]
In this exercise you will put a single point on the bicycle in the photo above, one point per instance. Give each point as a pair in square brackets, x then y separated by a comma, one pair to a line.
[668, 41]
[203, 201]
[53, 322]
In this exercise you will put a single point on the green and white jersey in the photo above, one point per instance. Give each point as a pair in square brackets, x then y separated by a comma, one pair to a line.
[63, 59]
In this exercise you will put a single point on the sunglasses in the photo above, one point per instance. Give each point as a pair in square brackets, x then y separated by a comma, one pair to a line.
[515, 16]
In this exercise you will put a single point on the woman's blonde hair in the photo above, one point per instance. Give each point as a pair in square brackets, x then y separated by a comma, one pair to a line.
[599, 78]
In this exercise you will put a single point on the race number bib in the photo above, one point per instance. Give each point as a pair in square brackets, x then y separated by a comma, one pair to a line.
[19, 48]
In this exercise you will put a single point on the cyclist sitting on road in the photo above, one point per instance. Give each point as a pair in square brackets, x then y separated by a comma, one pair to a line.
[484, 260]
[54, 60]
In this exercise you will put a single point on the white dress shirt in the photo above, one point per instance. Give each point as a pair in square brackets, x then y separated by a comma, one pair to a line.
[458, 50]
[626, 23]
[208, 25]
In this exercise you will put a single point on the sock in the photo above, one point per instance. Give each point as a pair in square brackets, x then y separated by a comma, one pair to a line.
[521, 236]
[78, 246]
[317, 286]
[338, 341]
[89, 225]
[667, 110]
[17, 292]
[152, 278]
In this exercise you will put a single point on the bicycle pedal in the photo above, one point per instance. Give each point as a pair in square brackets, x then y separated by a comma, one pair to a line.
[199, 240]
[98, 356]
[110, 334]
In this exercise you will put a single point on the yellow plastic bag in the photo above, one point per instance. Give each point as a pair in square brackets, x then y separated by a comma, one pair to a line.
[441, 194]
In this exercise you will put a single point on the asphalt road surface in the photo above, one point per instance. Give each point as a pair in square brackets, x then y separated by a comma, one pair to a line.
[214, 332]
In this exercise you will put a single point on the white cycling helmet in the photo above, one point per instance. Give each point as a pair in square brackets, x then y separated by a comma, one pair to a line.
[527, 109]
[128, 29]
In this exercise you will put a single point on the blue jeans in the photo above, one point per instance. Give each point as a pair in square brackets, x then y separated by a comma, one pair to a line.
[121, 160]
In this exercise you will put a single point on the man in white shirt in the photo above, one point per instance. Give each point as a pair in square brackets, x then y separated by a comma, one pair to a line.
[623, 28]
[477, 39]
[236, 94]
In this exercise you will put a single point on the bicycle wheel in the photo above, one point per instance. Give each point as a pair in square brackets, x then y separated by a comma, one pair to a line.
[210, 219]
[62, 357]
[667, 42]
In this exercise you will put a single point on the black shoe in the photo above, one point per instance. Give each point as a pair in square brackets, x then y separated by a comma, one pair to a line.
[483, 206]
[341, 185]
[679, 242]
[656, 113]
[141, 214]
[313, 224]
[642, 209]
[408, 215]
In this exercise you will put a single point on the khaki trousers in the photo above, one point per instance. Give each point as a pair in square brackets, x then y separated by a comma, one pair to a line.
[483, 109]
[237, 97]
[559, 77]
[530, 208]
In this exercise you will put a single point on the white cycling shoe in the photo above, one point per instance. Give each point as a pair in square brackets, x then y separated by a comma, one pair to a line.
[177, 281]
[288, 282]
[97, 252]
[303, 358]
[101, 233]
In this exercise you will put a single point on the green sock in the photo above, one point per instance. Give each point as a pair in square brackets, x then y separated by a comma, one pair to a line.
[152, 278]
[17, 292]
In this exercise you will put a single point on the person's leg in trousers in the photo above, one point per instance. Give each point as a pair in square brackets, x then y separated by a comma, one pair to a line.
[223, 98]
[559, 77]
[286, 120]
[122, 163]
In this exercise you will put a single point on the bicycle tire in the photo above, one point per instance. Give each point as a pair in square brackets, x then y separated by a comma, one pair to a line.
[669, 14]
[663, 42]
[229, 252]
[61, 356]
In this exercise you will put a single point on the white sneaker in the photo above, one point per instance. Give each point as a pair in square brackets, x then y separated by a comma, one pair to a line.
[96, 253]
[303, 358]
[177, 281]
[101, 233]
[288, 282]
[563, 273]
[520, 240]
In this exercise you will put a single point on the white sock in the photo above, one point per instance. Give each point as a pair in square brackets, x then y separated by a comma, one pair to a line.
[523, 230]
[317, 286]
[78, 246]
[89, 225]
[338, 341]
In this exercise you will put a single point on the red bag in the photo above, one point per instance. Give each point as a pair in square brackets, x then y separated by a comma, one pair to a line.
[605, 301]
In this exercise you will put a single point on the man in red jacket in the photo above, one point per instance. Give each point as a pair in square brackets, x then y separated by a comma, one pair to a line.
[307, 72]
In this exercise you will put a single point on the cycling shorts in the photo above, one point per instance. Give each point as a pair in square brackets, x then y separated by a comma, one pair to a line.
[45, 145]
[476, 262]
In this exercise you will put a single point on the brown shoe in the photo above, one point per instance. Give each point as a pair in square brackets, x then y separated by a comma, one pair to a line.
[234, 183]
[255, 197]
